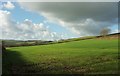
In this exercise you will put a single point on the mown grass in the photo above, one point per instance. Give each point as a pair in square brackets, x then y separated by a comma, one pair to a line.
[87, 56]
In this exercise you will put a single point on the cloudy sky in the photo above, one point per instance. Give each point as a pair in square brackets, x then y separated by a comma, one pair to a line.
[56, 20]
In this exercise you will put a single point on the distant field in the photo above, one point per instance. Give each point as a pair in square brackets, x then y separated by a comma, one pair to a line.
[99, 56]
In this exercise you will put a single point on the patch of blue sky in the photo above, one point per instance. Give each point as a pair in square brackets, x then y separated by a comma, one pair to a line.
[115, 28]
[19, 14]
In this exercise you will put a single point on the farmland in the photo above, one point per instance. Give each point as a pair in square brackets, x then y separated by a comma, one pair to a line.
[90, 56]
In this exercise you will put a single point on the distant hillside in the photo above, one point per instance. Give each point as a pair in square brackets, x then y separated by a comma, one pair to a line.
[16, 43]
[109, 36]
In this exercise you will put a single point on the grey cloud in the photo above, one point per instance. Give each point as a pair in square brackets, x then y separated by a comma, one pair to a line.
[90, 27]
[75, 11]
[74, 15]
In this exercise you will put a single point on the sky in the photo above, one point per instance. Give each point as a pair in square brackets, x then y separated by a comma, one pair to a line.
[56, 20]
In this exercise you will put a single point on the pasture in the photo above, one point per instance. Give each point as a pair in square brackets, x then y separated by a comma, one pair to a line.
[93, 56]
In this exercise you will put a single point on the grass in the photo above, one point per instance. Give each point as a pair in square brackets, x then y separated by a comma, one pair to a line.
[91, 56]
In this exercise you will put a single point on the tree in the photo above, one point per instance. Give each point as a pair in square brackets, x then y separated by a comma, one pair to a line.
[105, 31]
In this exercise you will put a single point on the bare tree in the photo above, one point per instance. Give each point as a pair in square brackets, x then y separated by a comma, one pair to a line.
[105, 31]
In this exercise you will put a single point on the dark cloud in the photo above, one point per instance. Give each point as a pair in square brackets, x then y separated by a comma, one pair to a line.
[75, 15]
[74, 11]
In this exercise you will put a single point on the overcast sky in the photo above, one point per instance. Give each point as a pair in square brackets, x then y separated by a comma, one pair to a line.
[56, 20]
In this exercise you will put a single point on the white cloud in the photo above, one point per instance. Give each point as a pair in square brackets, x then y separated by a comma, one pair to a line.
[9, 5]
[115, 31]
[81, 18]
[24, 30]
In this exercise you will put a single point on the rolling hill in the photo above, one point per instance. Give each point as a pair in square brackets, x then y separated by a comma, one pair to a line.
[88, 55]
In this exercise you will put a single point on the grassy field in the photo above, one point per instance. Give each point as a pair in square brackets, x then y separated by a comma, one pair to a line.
[93, 56]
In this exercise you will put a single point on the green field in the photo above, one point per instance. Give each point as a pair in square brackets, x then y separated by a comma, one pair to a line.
[93, 56]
